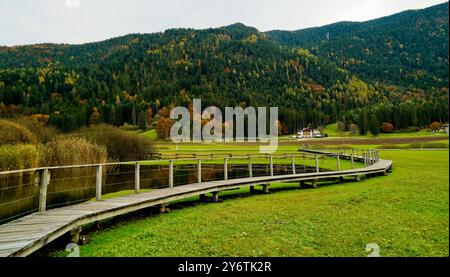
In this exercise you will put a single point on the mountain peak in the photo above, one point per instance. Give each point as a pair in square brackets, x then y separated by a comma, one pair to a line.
[240, 27]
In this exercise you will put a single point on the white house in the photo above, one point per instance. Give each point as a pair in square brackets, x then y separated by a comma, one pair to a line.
[308, 133]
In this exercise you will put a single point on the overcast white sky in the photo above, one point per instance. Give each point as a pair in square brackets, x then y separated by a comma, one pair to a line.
[79, 21]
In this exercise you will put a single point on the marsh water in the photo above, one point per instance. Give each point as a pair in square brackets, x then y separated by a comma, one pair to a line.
[19, 194]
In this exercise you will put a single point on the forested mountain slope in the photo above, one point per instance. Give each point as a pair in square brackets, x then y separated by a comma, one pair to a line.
[408, 49]
[119, 80]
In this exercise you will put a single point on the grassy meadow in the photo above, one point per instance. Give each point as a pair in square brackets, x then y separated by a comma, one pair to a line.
[332, 131]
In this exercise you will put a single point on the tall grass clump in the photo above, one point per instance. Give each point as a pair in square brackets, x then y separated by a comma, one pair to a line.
[73, 150]
[42, 132]
[121, 145]
[13, 157]
[13, 133]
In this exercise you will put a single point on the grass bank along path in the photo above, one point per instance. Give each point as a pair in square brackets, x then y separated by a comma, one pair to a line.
[405, 213]
[26, 235]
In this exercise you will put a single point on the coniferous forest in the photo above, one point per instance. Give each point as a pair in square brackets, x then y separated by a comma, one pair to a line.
[390, 70]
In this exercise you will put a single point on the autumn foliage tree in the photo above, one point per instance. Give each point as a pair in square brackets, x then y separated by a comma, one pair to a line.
[163, 128]
[435, 126]
[387, 127]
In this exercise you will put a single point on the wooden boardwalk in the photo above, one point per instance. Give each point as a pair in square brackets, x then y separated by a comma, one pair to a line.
[28, 234]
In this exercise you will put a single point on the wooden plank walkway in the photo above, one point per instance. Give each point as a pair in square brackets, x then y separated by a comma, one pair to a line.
[28, 234]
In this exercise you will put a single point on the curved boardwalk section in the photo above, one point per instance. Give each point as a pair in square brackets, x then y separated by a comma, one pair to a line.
[28, 234]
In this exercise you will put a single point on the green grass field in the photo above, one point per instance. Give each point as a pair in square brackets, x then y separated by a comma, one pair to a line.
[406, 214]
[332, 131]
[151, 134]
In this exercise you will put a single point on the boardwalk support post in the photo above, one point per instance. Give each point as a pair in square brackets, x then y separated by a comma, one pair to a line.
[44, 176]
[171, 173]
[225, 169]
[163, 208]
[317, 164]
[199, 171]
[98, 183]
[250, 173]
[266, 188]
[293, 166]
[75, 235]
[271, 165]
[137, 178]
[215, 196]
[338, 163]
[353, 161]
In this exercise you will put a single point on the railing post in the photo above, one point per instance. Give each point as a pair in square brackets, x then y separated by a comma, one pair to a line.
[225, 169]
[271, 165]
[171, 174]
[317, 164]
[98, 183]
[293, 166]
[339, 162]
[353, 161]
[250, 168]
[199, 171]
[44, 176]
[137, 177]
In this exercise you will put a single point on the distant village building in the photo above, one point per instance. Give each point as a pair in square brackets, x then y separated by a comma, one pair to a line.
[309, 133]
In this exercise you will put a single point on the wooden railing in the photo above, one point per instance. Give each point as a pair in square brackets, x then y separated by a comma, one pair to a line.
[42, 178]
[39, 229]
